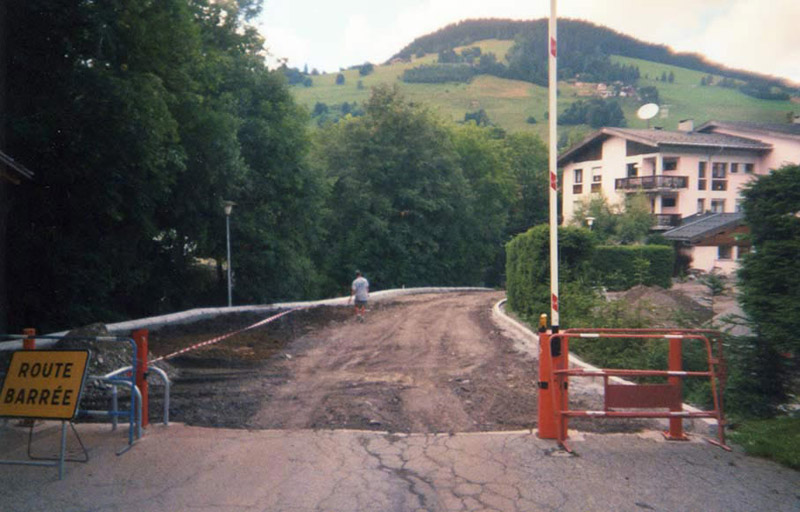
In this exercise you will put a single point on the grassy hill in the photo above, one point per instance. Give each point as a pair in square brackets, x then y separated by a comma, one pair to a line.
[509, 103]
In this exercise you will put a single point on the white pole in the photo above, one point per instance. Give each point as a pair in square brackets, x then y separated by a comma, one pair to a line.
[553, 118]
[228, 232]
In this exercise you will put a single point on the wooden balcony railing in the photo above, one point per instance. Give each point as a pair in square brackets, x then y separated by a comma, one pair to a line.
[652, 183]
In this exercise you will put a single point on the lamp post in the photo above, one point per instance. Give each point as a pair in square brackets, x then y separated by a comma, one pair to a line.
[228, 206]
[590, 221]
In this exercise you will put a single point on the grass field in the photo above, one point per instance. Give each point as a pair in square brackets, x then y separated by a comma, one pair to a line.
[509, 103]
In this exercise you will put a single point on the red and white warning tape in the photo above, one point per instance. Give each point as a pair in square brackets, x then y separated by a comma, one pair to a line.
[225, 336]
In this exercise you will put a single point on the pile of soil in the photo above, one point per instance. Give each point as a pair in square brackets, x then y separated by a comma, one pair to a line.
[663, 307]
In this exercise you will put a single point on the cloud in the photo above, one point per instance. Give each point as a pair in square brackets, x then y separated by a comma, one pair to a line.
[749, 36]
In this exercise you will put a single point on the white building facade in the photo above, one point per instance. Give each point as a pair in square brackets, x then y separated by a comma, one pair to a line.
[682, 173]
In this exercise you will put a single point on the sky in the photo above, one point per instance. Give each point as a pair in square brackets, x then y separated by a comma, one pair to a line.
[753, 35]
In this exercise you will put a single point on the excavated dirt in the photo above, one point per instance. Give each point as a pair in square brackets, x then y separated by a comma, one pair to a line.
[420, 363]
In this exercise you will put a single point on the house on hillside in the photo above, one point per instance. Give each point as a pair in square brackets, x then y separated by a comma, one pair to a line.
[683, 173]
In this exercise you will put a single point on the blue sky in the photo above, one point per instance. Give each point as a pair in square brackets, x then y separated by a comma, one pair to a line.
[761, 36]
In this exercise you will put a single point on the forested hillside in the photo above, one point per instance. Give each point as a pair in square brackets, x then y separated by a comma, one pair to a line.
[583, 48]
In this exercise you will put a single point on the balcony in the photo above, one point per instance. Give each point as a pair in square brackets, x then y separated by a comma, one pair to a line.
[665, 221]
[651, 183]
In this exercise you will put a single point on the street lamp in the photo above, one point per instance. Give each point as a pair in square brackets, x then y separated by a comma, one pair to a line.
[228, 206]
[590, 221]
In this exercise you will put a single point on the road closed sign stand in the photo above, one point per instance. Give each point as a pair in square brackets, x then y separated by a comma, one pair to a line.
[45, 385]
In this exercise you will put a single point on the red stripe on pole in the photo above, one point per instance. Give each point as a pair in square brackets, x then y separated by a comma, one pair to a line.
[553, 181]
[554, 301]
[553, 46]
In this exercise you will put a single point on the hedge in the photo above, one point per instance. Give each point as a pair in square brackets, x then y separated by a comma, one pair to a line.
[619, 267]
[528, 266]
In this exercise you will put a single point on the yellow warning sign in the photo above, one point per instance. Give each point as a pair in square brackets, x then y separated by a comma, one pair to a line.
[44, 384]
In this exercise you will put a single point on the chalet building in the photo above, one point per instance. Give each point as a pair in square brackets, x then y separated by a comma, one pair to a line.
[684, 174]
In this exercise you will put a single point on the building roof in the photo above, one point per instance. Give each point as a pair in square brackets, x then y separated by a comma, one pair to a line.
[660, 139]
[779, 129]
[21, 170]
[704, 225]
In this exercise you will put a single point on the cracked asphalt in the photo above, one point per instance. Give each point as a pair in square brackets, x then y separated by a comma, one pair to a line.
[359, 471]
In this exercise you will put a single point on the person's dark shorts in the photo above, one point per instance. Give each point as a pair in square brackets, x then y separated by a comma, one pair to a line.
[361, 302]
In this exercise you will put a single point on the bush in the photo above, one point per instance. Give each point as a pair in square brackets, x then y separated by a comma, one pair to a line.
[620, 267]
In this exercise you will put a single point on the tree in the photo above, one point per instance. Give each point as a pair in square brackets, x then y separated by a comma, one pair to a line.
[139, 121]
[527, 156]
[628, 224]
[404, 210]
[635, 220]
[366, 68]
[649, 94]
[770, 283]
[340, 79]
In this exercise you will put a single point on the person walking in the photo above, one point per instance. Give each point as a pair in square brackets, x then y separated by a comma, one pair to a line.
[360, 292]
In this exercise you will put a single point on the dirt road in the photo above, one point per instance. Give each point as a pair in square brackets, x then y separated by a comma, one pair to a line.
[419, 363]
[433, 363]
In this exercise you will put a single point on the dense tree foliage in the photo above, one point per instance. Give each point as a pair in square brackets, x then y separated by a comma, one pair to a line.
[770, 285]
[417, 201]
[596, 112]
[438, 73]
[140, 118]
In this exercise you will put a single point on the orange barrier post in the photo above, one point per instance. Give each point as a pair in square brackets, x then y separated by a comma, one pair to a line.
[140, 337]
[546, 398]
[675, 432]
[560, 351]
[29, 343]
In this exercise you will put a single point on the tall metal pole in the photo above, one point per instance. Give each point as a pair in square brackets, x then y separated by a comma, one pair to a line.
[553, 117]
[228, 229]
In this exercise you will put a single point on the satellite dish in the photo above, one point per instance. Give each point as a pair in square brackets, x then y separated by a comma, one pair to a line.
[647, 111]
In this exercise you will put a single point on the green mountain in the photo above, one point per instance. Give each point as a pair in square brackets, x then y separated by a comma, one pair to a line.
[495, 72]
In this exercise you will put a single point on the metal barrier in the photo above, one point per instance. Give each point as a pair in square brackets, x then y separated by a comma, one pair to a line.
[620, 398]
[158, 371]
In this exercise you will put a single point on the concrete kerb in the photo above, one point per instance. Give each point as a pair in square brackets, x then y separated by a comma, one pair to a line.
[529, 343]
[196, 314]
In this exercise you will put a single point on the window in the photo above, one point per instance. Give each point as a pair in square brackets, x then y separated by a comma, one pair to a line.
[718, 172]
[668, 202]
[734, 168]
[633, 170]
[671, 163]
[578, 173]
[718, 205]
[597, 175]
[748, 168]
[577, 189]
[701, 205]
[701, 176]
[724, 252]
